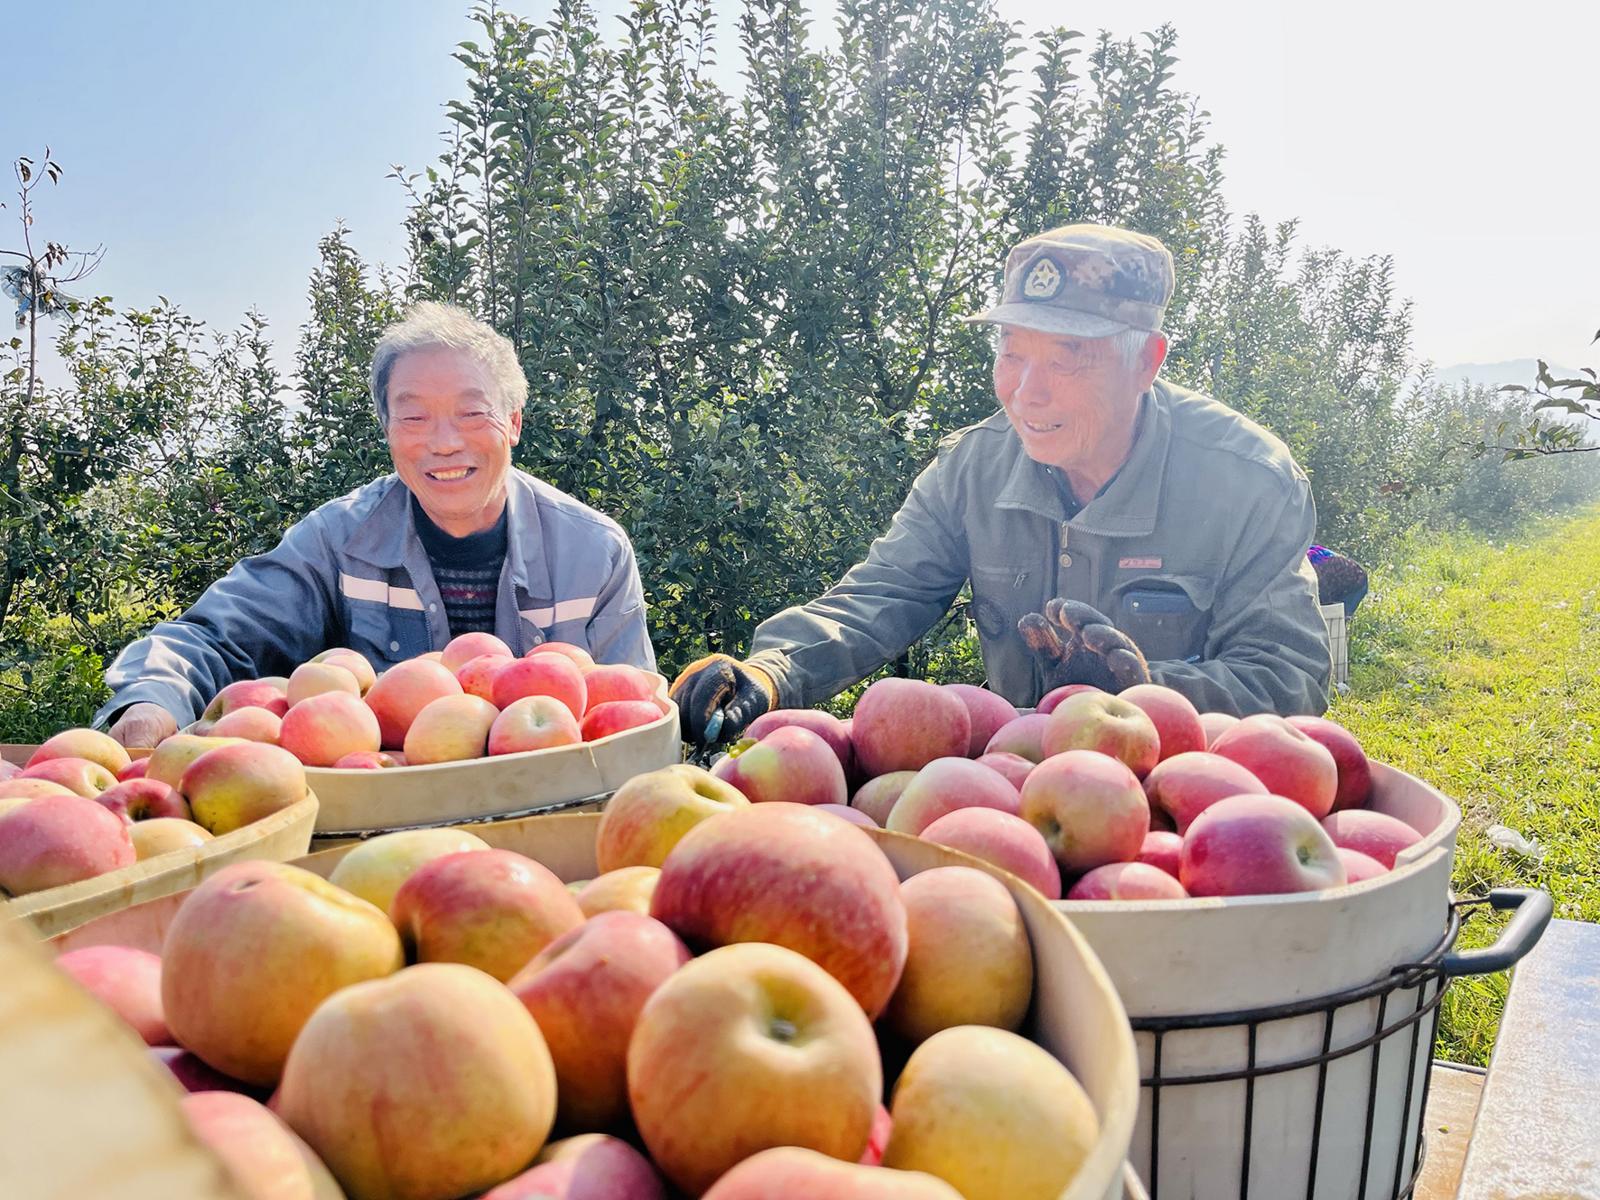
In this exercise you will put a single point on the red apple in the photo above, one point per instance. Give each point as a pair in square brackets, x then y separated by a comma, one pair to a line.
[616, 716]
[790, 764]
[617, 681]
[825, 725]
[1127, 881]
[785, 1172]
[134, 770]
[1355, 773]
[948, 784]
[577, 655]
[463, 648]
[323, 728]
[1289, 762]
[533, 723]
[143, 799]
[845, 813]
[490, 909]
[1022, 737]
[1186, 785]
[264, 1157]
[904, 724]
[1089, 807]
[987, 711]
[1013, 766]
[371, 760]
[1002, 839]
[728, 1046]
[1258, 846]
[586, 989]
[249, 693]
[1106, 724]
[402, 691]
[882, 1123]
[1177, 723]
[877, 797]
[192, 1074]
[787, 874]
[542, 675]
[1162, 850]
[1051, 699]
[1215, 725]
[56, 840]
[253, 724]
[125, 980]
[591, 1166]
[477, 677]
[1374, 834]
[1359, 866]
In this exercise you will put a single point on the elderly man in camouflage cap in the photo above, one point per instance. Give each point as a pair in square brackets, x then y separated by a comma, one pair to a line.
[1115, 528]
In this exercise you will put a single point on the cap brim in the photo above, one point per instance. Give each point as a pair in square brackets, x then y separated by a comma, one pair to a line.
[1049, 320]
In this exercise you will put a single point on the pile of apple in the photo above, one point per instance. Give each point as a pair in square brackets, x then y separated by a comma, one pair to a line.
[471, 699]
[82, 807]
[1130, 797]
[717, 1013]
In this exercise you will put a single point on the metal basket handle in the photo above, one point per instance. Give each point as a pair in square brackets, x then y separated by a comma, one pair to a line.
[1521, 934]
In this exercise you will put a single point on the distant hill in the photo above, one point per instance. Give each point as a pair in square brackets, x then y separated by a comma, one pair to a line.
[1517, 370]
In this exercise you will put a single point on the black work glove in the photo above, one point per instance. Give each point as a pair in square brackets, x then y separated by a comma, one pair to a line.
[1078, 644]
[717, 696]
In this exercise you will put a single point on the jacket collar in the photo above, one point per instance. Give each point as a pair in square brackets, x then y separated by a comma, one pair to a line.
[1128, 507]
[387, 537]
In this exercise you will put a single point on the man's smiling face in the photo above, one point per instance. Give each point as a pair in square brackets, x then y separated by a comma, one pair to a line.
[1071, 400]
[449, 439]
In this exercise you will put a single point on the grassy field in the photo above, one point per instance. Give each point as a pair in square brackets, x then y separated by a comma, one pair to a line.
[1477, 668]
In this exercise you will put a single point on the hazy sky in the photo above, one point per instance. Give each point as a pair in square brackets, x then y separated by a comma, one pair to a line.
[209, 146]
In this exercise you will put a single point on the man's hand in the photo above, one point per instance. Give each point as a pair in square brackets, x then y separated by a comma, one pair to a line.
[143, 725]
[717, 696]
[1078, 644]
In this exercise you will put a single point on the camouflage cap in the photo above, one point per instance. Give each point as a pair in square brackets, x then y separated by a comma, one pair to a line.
[1085, 281]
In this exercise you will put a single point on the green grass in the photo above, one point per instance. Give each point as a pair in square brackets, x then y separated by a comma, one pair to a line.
[1477, 668]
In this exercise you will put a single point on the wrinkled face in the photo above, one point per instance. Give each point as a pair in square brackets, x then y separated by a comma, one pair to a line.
[450, 443]
[1071, 400]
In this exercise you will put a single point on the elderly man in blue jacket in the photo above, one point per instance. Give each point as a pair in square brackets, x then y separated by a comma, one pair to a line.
[455, 540]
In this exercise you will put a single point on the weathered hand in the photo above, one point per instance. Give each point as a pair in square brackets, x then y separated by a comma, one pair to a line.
[143, 725]
[1078, 644]
[717, 696]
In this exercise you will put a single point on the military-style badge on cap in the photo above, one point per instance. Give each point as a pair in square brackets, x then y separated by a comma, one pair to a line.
[1085, 281]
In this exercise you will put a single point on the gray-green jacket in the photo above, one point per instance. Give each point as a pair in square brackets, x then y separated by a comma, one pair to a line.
[1196, 550]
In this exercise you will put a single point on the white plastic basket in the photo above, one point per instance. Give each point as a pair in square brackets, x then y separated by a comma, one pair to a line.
[1338, 640]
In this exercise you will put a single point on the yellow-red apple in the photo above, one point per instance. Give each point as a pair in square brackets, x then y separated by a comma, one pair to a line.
[231, 786]
[127, 981]
[263, 1155]
[353, 661]
[992, 1114]
[401, 692]
[1185, 785]
[787, 874]
[144, 799]
[1004, 840]
[576, 654]
[533, 723]
[172, 757]
[904, 724]
[1089, 806]
[542, 675]
[784, 1172]
[878, 795]
[161, 834]
[789, 763]
[649, 813]
[948, 784]
[450, 729]
[1285, 759]
[428, 1085]
[253, 724]
[78, 775]
[375, 869]
[1375, 834]
[586, 989]
[91, 744]
[590, 1166]
[1022, 737]
[1107, 724]
[745, 1048]
[627, 889]
[463, 648]
[1127, 881]
[1162, 850]
[490, 909]
[1178, 728]
[477, 676]
[969, 963]
[825, 725]
[987, 712]
[253, 951]
[56, 840]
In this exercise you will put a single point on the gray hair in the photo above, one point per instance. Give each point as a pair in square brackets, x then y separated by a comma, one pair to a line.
[429, 325]
[1129, 345]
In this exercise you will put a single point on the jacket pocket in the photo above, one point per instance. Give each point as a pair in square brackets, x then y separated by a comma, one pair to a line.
[1168, 616]
[387, 635]
[1000, 596]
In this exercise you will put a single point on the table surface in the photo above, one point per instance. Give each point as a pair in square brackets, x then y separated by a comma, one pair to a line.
[1537, 1132]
